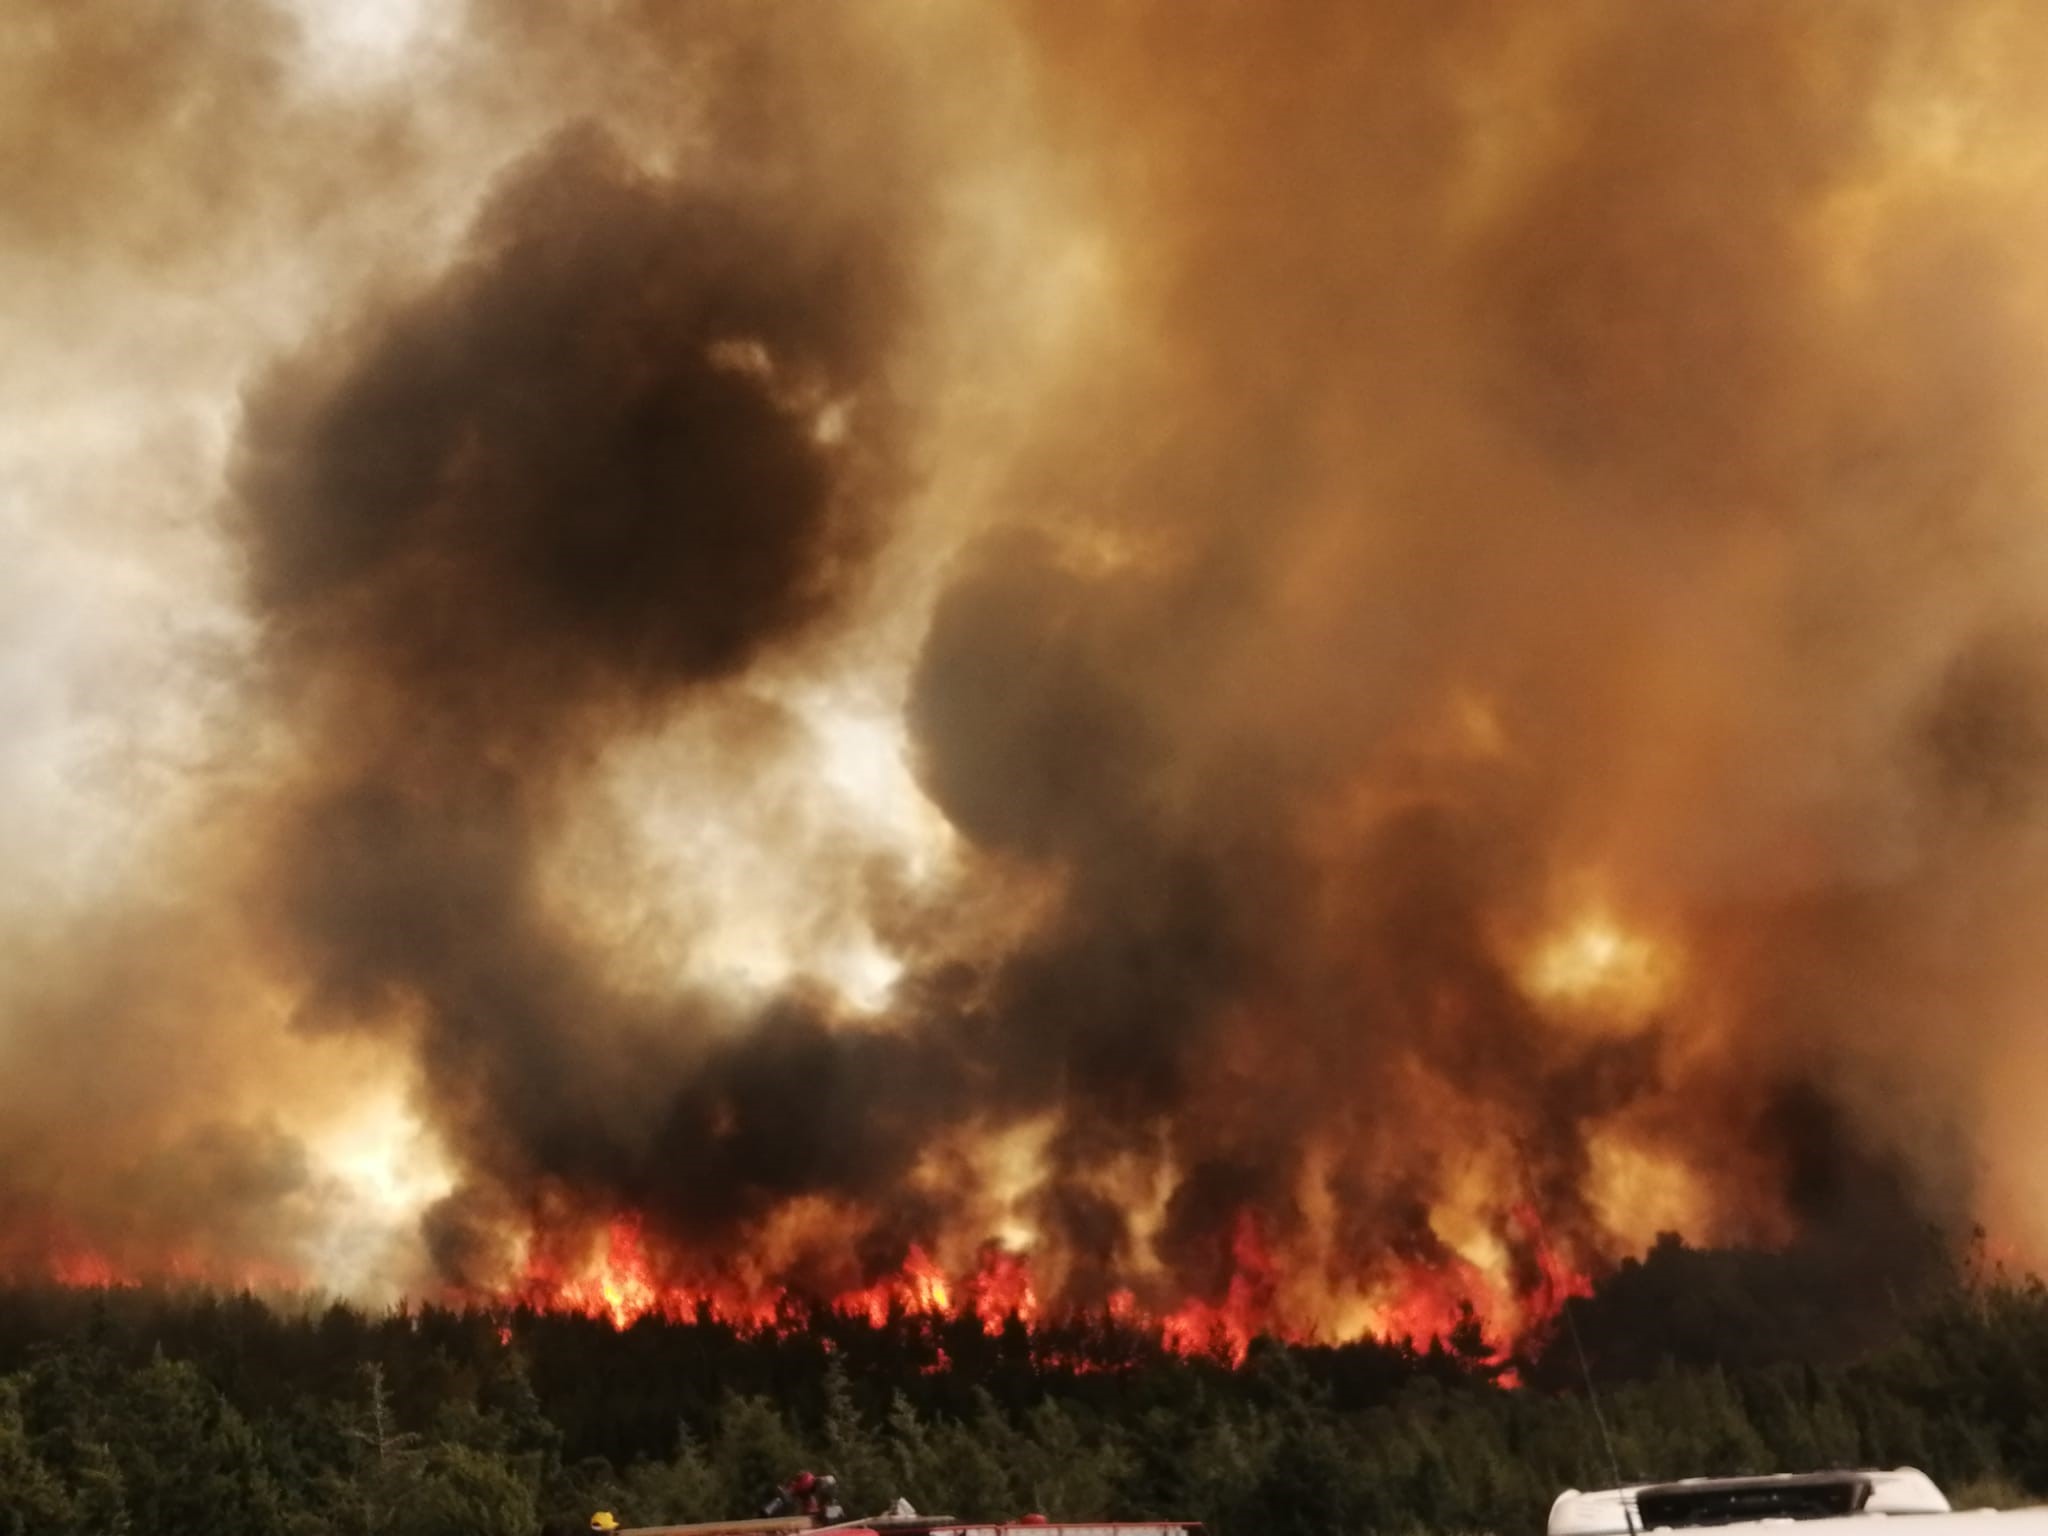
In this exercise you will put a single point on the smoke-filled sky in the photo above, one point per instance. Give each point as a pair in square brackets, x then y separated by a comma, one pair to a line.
[1412, 633]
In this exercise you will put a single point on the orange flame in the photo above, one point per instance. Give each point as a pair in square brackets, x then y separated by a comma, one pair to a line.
[85, 1269]
[920, 1288]
[1423, 1303]
[621, 1280]
[1002, 1289]
[82, 1266]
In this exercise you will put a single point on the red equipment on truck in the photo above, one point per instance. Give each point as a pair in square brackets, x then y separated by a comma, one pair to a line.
[901, 1520]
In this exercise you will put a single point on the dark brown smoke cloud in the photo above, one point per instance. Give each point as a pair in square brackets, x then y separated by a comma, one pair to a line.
[597, 464]
[1502, 422]
[635, 440]
[1458, 587]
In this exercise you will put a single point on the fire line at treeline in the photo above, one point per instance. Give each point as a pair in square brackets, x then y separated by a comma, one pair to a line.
[624, 1281]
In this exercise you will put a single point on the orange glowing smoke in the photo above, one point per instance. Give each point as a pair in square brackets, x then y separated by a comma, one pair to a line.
[83, 1267]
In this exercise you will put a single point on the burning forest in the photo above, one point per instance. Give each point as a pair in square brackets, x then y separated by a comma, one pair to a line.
[1299, 671]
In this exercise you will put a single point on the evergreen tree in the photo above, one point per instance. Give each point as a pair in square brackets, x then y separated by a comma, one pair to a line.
[852, 1452]
[131, 1413]
[33, 1500]
[188, 1460]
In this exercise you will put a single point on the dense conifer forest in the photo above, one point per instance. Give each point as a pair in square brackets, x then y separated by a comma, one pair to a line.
[146, 1411]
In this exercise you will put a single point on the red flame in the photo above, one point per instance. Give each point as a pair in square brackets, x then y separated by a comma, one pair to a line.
[84, 1267]
[1448, 1300]
[1002, 1289]
[621, 1284]
[617, 1279]
[1434, 1302]
[919, 1288]
[1227, 1328]
[1558, 1282]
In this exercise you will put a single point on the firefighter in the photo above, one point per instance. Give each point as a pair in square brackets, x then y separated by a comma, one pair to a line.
[815, 1498]
[798, 1496]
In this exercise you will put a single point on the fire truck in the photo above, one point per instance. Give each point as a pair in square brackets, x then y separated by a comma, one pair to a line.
[907, 1524]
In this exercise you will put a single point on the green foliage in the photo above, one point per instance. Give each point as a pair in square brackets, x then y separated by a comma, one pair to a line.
[188, 1460]
[32, 1497]
[130, 1414]
[684, 1488]
[455, 1490]
[850, 1446]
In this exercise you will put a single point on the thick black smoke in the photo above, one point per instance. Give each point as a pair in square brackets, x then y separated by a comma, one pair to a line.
[633, 441]
[596, 465]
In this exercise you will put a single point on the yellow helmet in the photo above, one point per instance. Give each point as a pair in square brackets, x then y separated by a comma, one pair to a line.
[604, 1520]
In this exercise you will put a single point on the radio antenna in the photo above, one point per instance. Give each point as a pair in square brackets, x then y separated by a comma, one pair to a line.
[1593, 1397]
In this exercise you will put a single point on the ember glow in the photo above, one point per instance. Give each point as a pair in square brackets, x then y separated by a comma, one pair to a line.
[1298, 670]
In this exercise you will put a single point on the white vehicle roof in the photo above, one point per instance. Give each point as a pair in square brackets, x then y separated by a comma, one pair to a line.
[1723, 1501]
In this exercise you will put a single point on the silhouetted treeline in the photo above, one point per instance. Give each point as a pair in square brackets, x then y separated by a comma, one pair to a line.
[148, 1412]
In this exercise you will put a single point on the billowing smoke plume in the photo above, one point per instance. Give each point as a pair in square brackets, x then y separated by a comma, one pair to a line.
[1312, 662]
[617, 455]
